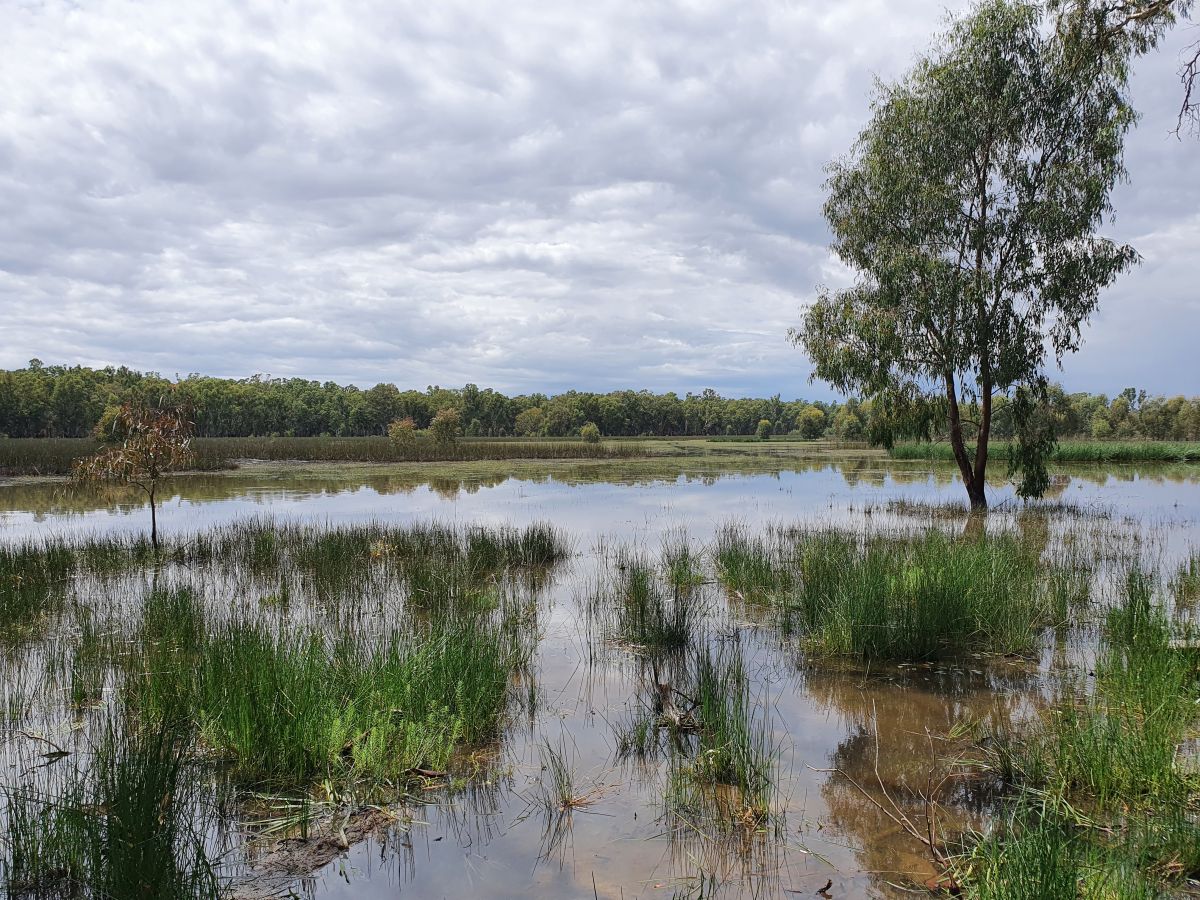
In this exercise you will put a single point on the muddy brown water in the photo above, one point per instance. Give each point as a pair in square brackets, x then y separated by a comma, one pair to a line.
[884, 728]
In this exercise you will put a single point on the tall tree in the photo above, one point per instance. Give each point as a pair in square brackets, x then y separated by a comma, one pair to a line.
[969, 209]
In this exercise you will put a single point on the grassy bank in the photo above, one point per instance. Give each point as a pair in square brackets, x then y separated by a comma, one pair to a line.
[1071, 451]
[55, 456]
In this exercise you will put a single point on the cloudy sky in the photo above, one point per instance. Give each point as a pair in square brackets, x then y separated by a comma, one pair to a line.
[523, 195]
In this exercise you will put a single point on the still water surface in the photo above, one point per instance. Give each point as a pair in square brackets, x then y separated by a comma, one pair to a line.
[880, 726]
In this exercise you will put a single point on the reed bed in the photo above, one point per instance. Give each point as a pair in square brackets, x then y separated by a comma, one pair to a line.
[1070, 451]
[56, 456]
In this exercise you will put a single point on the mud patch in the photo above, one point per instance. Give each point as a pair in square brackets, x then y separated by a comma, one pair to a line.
[292, 858]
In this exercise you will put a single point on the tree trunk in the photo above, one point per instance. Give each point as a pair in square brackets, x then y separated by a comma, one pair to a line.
[978, 495]
[971, 480]
[153, 520]
[981, 444]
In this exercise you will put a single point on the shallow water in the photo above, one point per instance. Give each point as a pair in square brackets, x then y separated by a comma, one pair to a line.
[883, 727]
[636, 499]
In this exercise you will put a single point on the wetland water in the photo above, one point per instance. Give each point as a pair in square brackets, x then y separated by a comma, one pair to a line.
[884, 726]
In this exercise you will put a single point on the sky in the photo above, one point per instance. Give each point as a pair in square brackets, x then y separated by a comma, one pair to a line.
[525, 195]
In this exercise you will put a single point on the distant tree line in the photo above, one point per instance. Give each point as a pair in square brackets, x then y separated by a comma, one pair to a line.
[69, 401]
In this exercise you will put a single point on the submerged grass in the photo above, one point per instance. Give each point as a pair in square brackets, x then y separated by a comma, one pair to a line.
[655, 608]
[287, 704]
[748, 565]
[897, 596]
[130, 824]
[726, 776]
[34, 586]
[1107, 800]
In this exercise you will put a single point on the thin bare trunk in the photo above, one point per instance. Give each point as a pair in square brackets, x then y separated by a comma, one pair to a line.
[153, 518]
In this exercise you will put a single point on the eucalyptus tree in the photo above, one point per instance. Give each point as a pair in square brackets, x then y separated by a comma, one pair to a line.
[1126, 28]
[968, 209]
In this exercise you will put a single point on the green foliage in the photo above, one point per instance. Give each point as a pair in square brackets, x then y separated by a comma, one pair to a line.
[403, 433]
[763, 431]
[811, 423]
[446, 427]
[274, 415]
[56, 401]
[1035, 442]
[529, 422]
[590, 433]
[969, 207]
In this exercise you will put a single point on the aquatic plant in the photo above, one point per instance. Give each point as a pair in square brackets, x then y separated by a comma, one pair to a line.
[129, 824]
[1104, 803]
[915, 598]
[726, 776]
[634, 605]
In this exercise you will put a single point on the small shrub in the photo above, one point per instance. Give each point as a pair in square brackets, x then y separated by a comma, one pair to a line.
[446, 426]
[403, 432]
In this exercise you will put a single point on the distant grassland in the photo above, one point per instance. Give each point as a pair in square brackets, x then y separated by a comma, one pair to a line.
[1072, 451]
[55, 456]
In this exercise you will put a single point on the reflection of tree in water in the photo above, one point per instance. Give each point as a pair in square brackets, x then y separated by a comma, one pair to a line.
[59, 497]
[898, 748]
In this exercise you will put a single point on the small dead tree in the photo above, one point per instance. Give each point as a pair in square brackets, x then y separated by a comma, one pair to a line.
[146, 444]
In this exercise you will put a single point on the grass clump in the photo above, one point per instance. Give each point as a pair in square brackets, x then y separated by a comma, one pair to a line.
[130, 825]
[726, 775]
[750, 565]
[922, 598]
[289, 707]
[637, 607]
[682, 566]
[1185, 586]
